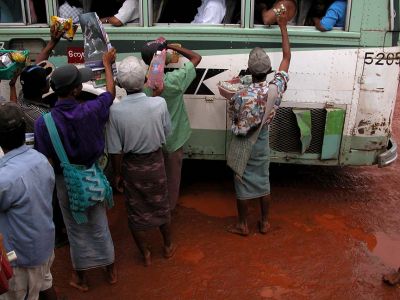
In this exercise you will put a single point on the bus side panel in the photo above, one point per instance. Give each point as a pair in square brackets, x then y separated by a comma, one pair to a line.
[378, 87]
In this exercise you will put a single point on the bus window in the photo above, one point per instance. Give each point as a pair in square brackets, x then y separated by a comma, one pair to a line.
[70, 9]
[196, 11]
[304, 12]
[12, 11]
[128, 12]
[114, 12]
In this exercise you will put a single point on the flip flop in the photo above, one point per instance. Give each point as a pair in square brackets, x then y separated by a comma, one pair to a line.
[235, 230]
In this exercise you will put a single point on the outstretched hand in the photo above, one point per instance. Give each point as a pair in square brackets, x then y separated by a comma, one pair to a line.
[109, 57]
[282, 19]
[56, 33]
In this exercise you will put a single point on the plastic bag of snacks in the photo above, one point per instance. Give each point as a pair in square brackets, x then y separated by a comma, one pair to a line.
[66, 25]
[12, 61]
[230, 87]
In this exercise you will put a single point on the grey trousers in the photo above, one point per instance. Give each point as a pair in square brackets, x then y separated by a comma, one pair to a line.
[173, 168]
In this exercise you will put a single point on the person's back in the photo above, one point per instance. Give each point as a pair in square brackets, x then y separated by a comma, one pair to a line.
[210, 12]
[141, 122]
[26, 189]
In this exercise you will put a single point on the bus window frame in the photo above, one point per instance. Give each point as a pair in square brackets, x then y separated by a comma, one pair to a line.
[138, 24]
[230, 25]
[337, 29]
[24, 17]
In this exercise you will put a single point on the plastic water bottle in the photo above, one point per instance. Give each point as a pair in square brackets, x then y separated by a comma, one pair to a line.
[155, 75]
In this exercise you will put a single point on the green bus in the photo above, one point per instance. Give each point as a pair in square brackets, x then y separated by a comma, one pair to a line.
[339, 105]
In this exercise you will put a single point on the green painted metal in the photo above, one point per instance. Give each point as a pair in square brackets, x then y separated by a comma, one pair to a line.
[212, 144]
[303, 117]
[333, 133]
[206, 144]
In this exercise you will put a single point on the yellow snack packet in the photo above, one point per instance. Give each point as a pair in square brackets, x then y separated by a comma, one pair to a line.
[65, 24]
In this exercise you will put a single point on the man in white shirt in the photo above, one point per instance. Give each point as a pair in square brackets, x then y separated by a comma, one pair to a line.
[210, 12]
[128, 13]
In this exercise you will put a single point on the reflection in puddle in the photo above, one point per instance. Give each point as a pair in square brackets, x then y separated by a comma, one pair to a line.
[388, 249]
[338, 225]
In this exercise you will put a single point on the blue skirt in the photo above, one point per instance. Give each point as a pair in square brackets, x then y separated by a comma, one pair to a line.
[255, 180]
[91, 245]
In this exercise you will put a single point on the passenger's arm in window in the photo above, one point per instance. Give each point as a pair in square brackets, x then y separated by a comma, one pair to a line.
[56, 35]
[112, 20]
[286, 54]
[108, 60]
[194, 57]
[269, 17]
[129, 12]
[317, 22]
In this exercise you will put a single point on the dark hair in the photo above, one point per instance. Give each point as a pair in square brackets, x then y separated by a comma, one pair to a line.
[260, 76]
[13, 139]
[75, 3]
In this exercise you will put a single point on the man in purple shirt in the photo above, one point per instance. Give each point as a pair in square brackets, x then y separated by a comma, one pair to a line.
[81, 129]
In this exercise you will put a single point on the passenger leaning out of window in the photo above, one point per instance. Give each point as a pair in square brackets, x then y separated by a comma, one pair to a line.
[71, 9]
[210, 12]
[335, 16]
[128, 13]
[269, 16]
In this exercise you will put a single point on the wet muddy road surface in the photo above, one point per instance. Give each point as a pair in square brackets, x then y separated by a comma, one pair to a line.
[335, 231]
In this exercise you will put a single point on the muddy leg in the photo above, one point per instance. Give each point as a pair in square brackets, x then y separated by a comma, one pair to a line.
[139, 237]
[241, 227]
[169, 247]
[111, 274]
[263, 224]
[79, 281]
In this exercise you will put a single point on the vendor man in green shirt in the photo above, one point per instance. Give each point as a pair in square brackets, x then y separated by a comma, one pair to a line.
[175, 85]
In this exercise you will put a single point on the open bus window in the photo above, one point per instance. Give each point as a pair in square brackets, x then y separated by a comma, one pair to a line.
[114, 12]
[70, 9]
[197, 11]
[128, 12]
[322, 14]
[23, 11]
[11, 11]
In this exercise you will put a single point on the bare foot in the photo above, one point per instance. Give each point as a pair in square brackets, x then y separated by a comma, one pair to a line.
[112, 277]
[263, 226]
[170, 251]
[147, 258]
[79, 284]
[239, 229]
[392, 279]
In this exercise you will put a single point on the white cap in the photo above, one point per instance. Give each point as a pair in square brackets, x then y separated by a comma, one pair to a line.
[131, 74]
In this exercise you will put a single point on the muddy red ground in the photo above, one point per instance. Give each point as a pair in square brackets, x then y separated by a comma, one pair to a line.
[335, 231]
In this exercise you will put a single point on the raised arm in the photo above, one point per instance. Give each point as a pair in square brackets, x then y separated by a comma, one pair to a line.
[56, 35]
[194, 57]
[282, 22]
[108, 60]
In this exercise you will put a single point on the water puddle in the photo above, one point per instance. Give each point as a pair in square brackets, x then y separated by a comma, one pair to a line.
[388, 249]
[338, 225]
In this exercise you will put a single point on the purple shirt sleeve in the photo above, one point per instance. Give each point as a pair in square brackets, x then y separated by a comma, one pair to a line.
[41, 138]
[101, 105]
